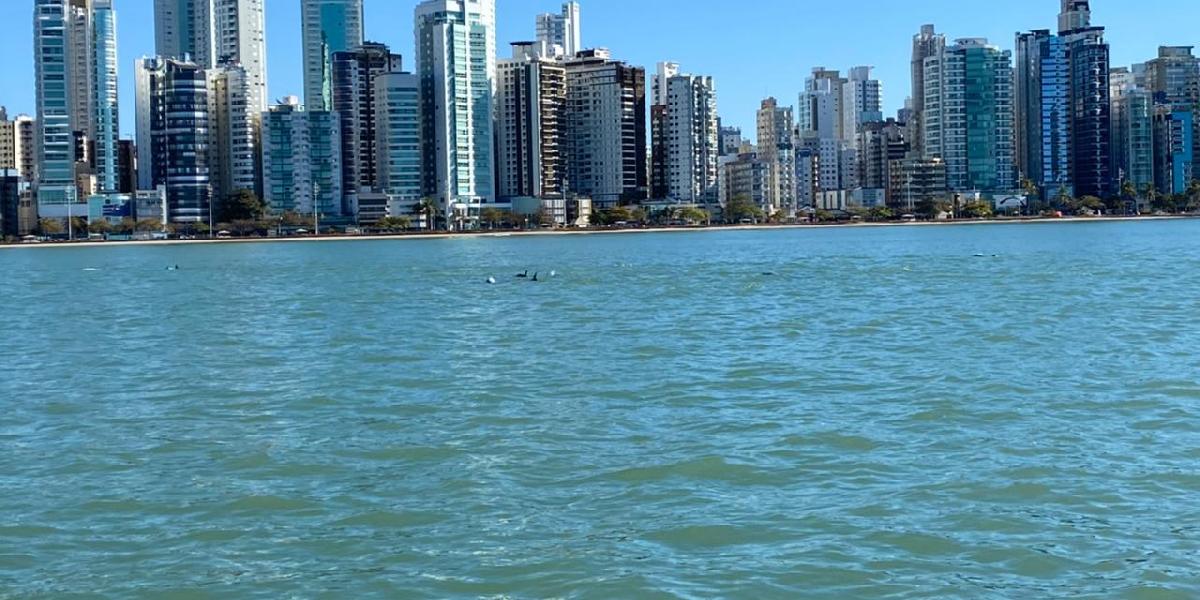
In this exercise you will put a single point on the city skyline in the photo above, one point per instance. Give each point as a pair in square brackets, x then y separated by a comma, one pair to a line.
[743, 77]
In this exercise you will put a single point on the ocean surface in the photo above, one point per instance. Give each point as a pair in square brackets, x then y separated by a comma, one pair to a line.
[904, 412]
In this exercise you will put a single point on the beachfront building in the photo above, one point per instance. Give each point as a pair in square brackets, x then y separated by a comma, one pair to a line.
[355, 102]
[302, 160]
[925, 44]
[55, 137]
[685, 143]
[1133, 136]
[776, 147]
[1042, 112]
[605, 137]
[329, 26]
[456, 61]
[398, 139]
[531, 102]
[173, 136]
[17, 150]
[234, 127]
[968, 116]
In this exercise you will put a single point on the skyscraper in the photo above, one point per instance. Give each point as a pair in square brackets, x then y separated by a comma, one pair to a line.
[105, 127]
[210, 33]
[55, 132]
[925, 44]
[173, 136]
[606, 129]
[1042, 112]
[1175, 76]
[184, 29]
[530, 118]
[355, 101]
[776, 147]
[1091, 116]
[398, 136]
[81, 69]
[234, 129]
[688, 150]
[456, 61]
[862, 102]
[241, 39]
[1075, 14]
[329, 26]
[1133, 137]
[302, 160]
[561, 33]
[969, 115]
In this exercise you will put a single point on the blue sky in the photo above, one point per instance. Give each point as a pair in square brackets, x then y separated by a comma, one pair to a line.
[753, 49]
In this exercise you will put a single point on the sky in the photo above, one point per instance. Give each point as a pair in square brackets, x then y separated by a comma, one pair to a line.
[752, 49]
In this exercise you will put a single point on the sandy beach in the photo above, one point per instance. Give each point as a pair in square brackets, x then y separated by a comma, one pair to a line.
[557, 232]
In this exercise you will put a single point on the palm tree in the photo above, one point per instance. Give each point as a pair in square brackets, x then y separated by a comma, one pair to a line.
[1193, 193]
[428, 208]
[1150, 194]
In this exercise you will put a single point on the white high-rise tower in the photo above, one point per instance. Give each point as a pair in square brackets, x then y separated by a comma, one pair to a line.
[561, 34]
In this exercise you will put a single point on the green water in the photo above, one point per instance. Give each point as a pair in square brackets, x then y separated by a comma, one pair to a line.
[885, 415]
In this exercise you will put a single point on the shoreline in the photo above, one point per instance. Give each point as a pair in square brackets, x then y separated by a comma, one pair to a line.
[561, 232]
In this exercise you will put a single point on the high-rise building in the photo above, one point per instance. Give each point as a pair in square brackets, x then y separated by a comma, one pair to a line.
[925, 44]
[1091, 116]
[174, 137]
[25, 146]
[1175, 76]
[659, 153]
[234, 128]
[1133, 137]
[687, 122]
[916, 180]
[748, 177]
[302, 160]
[729, 140]
[185, 30]
[456, 60]
[55, 137]
[561, 34]
[776, 147]
[968, 118]
[329, 26]
[241, 39]
[105, 127]
[355, 101]
[862, 102]
[126, 167]
[880, 144]
[822, 126]
[1174, 79]
[213, 33]
[81, 67]
[606, 129]
[1075, 15]
[530, 105]
[1174, 162]
[1042, 112]
[398, 136]
[10, 204]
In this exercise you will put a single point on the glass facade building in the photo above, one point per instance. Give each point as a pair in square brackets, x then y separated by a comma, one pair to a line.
[329, 26]
[105, 118]
[302, 160]
[456, 61]
[55, 134]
